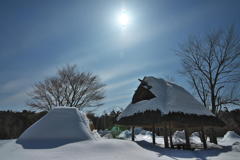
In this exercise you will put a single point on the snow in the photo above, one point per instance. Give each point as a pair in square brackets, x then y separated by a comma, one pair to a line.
[64, 124]
[179, 138]
[169, 98]
[61, 125]
[108, 149]
[236, 147]
[229, 139]
[125, 134]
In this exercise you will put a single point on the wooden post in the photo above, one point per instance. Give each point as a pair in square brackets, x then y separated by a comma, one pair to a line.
[158, 131]
[170, 135]
[133, 133]
[203, 138]
[153, 134]
[187, 138]
[165, 136]
[213, 138]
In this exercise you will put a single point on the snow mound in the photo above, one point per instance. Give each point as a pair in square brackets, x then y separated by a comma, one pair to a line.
[229, 138]
[60, 124]
[108, 136]
[169, 98]
[236, 147]
[195, 138]
[179, 137]
[125, 134]
[96, 134]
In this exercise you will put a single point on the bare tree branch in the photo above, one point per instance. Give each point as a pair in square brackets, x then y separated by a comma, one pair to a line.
[68, 88]
[211, 65]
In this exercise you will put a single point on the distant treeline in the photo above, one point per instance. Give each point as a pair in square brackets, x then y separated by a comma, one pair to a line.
[105, 121]
[12, 124]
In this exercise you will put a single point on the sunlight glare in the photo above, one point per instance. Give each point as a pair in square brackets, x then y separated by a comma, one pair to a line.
[123, 18]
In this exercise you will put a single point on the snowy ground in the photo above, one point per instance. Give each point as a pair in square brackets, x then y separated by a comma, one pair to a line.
[64, 134]
[108, 149]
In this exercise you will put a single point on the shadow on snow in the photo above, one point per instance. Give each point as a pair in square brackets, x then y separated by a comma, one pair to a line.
[44, 144]
[176, 153]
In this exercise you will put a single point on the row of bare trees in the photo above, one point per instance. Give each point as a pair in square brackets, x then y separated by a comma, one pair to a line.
[211, 65]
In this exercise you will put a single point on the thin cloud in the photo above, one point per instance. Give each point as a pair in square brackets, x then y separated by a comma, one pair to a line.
[14, 85]
[120, 84]
[114, 99]
[17, 99]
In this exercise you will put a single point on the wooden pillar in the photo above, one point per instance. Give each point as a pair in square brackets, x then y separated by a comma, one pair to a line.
[166, 136]
[187, 138]
[133, 133]
[170, 135]
[153, 134]
[213, 138]
[203, 138]
[158, 131]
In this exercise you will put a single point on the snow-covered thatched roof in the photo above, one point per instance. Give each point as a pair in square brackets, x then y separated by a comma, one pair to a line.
[168, 98]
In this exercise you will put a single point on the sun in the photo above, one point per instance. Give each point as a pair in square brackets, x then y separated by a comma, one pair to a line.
[123, 18]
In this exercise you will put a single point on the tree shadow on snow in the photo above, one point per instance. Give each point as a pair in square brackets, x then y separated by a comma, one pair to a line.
[43, 144]
[176, 153]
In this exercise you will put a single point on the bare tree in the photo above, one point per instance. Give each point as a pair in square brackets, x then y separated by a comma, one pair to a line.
[68, 88]
[212, 66]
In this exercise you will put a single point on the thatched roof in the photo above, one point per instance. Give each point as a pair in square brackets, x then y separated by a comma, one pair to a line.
[157, 101]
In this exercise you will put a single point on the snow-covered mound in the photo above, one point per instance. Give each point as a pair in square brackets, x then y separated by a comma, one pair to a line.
[236, 147]
[169, 97]
[60, 124]
[125, 134]
[229, 138]
[195, 138]
[179, 138]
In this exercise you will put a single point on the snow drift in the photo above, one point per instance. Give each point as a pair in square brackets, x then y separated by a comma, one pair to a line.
[61, 125]
[229, 139]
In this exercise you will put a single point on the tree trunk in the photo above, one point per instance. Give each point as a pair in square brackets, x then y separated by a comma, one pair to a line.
[153, 134]
[133, 133]
[213, 100]
[187, 138]
[166, 136]
[203, 139]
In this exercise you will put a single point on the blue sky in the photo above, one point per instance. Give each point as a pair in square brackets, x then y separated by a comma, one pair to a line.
[38, 37]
